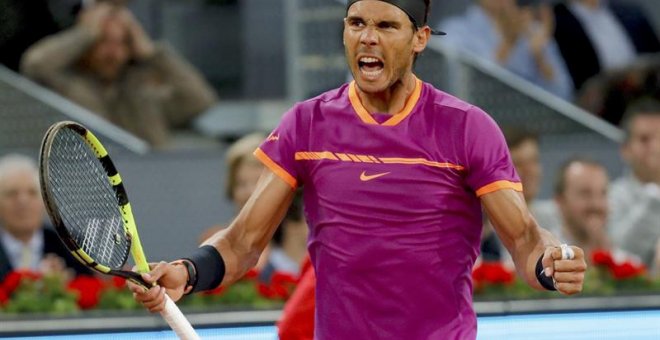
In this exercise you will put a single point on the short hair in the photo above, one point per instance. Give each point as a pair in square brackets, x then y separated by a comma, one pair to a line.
[515, 136]
[560, 179]
[236, 154]
[647, 106]
[16, 162]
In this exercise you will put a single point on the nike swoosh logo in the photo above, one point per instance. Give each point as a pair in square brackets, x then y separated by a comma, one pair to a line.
[364, 177]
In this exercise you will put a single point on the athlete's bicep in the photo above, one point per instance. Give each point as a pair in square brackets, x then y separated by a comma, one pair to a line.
[243, 241]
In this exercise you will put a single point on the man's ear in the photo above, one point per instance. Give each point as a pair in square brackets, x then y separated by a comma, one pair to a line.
[421, 38]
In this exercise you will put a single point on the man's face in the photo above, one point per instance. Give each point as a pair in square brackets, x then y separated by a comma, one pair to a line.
[380, 44]
[21, 207]
[642, 149]
[111, 52]
[583, 203]
[526, 159]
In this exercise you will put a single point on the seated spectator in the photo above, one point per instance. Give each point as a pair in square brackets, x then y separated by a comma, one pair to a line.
[243, 171]
[635, 197]
[288, 246]
[596, 36]
[108, 64]
[609, 93]
[581, 195]
[525, 154]
[517, 37]
[25, 244]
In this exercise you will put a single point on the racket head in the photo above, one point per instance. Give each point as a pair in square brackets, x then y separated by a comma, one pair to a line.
[85, 199]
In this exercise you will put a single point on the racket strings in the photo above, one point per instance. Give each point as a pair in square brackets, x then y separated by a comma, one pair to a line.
[86, 200]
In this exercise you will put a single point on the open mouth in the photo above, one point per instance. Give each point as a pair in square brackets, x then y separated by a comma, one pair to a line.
[370, 67]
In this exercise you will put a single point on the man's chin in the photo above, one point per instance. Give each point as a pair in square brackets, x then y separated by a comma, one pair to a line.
[371, 86]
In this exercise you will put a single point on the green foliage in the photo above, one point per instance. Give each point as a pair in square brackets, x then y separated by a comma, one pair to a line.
[45, 295]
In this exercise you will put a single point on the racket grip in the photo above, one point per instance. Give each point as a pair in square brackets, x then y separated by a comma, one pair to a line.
[179, 324]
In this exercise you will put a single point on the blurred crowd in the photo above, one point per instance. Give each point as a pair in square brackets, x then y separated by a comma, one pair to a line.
[599, 54]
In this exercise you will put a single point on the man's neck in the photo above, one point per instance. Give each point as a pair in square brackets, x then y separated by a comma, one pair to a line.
[23, 237]
[392, 100]
[644, 178]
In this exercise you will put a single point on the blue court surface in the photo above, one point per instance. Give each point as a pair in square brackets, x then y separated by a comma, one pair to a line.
[597, 325]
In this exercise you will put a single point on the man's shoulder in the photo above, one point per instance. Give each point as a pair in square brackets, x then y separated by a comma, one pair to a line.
[336, 94]
[623, 187]
[444, 102]
[330, 98]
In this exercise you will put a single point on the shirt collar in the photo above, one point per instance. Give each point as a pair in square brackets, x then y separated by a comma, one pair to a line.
[14, 247]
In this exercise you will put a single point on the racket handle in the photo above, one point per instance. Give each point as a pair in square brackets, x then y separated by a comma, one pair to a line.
[179, 324]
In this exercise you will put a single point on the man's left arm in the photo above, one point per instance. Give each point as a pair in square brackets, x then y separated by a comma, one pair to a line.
[527, 243]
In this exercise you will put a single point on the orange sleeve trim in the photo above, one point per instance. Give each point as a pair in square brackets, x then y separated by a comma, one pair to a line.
[499, 185]
[274, 167]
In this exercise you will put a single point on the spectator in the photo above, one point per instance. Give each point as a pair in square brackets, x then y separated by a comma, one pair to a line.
[596, 36]
[24, 241]
[289, 244]
[609, 94]
[243, 171]
[581, 196]
[297, 320]
[635, 197]
[518, 37]
[525, 154]
[108, 64]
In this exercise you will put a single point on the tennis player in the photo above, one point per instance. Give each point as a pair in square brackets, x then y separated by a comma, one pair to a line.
[394, 174]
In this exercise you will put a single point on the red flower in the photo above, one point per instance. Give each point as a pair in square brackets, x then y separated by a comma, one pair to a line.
[601, 257]
[283, 284]
[251, 274]
[627, 270]
[118, 282]
[266, 290]
[283, 278]
[13, 279]
[492, 272]
[88, 289]
[216, 291]
[4, 297]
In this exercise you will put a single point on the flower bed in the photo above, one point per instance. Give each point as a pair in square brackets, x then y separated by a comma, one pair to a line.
[27, 292]
[605, 277]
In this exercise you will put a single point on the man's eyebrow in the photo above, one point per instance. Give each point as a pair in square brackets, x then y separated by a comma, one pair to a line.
[393, 23]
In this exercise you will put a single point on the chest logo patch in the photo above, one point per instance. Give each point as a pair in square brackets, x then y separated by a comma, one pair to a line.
[364, 177]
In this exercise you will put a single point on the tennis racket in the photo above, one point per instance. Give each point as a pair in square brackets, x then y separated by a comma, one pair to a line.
[88, 205]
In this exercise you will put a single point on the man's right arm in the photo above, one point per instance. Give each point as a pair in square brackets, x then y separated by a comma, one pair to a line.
[246, 237]
[239, 245]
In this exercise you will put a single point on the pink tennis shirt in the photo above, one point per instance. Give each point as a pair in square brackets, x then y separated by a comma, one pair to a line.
[393, 208]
